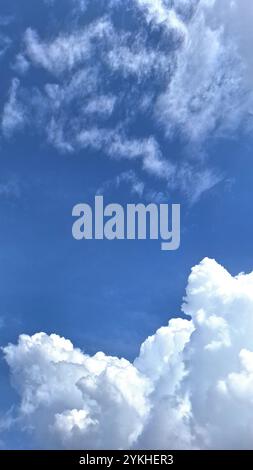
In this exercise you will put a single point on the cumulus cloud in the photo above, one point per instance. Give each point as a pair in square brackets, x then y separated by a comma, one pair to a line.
[97, 390]
[189, 388]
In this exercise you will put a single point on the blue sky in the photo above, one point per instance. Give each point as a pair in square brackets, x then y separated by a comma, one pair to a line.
[139, 100]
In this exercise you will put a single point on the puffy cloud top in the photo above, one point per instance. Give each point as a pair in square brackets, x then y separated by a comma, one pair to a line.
[190, 387]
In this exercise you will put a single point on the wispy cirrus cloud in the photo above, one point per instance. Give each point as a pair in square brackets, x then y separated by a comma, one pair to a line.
[162, 13]
[5, 43]
[103, 81]
[130, 178]
[20, 64]
[66, 51]
[14, 115]
[207, 95]
[10, 189]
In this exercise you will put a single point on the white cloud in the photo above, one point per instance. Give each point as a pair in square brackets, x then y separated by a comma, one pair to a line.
[148, 149]
[80, 5]
[190, 387]
[5, 43]
[122, 52]
[187, 73]
[207, 94]
[136, 60]
[118, 146]
[204, 62]
[236, 18]
[66, 51]
[21, 64]
[13, 116]
[103, 105]
[71, 397]
[160, 12]
[206, 72]
[195, 181]
[130, 178]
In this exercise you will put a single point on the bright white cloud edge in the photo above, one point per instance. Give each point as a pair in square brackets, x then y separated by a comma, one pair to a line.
[191, 386]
